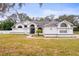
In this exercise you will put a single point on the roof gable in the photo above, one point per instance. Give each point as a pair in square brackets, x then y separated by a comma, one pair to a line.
[65, 21]
[56, 23]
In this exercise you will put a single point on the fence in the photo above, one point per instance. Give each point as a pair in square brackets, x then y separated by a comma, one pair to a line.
[11, 32]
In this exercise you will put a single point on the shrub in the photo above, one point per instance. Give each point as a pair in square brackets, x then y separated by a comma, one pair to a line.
[39, 31]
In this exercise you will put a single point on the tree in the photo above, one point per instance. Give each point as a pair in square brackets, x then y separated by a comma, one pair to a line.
[24, 17]
[4, 7]
[19, 17]
[6, 25]
[69, 18]
[12, 17]
[49, 18]
[41, 19]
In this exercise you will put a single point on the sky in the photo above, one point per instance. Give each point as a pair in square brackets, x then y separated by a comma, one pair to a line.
[57, 9]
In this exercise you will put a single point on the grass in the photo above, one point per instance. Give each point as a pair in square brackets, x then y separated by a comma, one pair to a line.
[76, 32]
[19, 45]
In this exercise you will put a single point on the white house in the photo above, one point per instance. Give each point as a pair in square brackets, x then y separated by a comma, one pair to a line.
[58, 28]
[50, 28]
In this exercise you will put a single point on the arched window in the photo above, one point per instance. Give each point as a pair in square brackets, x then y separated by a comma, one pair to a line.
[20, 26]
[32, 25]
[25, 26]
[63, 25]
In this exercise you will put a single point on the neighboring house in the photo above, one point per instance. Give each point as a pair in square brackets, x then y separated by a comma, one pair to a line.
[58, 28]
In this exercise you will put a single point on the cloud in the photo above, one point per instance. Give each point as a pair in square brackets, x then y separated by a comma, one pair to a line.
[60, 12]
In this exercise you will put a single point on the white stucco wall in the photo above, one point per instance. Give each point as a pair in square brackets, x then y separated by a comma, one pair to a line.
[11, 32]
[16, 26]
[54, 30]
[49, 30]
[69, 31]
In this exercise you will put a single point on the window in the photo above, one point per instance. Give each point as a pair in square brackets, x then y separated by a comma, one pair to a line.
[63, 25]
[25, 26]
[19, 26]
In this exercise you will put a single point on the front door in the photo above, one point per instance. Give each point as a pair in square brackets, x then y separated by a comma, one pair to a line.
[32, 29]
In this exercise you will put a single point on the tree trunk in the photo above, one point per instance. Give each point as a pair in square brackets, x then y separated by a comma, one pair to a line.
[38, 34]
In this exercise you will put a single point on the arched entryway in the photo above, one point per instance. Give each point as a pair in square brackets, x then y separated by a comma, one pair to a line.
[32, 29]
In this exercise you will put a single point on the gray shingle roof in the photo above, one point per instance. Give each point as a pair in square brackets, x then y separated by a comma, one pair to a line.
[41, 24]
[52, 23]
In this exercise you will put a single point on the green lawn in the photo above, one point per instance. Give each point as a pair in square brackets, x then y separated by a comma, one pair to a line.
[13, 45]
